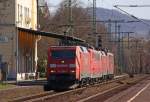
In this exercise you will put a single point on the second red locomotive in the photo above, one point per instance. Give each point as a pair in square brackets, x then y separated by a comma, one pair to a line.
[70, 66]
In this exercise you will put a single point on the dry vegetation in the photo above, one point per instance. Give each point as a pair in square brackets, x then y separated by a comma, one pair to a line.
[137, 56]
[58, 23]
[134, 59]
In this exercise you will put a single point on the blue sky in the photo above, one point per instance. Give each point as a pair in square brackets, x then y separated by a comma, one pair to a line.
[138, 12]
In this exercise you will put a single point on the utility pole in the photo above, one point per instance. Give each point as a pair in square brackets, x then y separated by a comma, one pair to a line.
[139, 49]
[140, 60]
[70, 20]
[121, 60]
[109, 30]
[94, 27]
[115, 29]
[119, 51]
[69, 26]
[94, 18]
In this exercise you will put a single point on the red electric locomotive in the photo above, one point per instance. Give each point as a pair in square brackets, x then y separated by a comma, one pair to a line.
[71, 66]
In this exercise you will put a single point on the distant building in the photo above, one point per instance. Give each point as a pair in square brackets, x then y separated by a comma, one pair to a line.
[14, 14]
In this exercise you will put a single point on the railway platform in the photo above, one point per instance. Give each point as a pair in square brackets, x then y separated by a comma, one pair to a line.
[27, 82]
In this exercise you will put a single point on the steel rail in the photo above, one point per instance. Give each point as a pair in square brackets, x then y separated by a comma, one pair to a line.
[111, 90]
[52, 94]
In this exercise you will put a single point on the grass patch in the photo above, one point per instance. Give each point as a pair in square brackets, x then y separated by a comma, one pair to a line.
[5, 86]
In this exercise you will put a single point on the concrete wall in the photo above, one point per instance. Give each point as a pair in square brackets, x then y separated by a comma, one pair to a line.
[7, 35]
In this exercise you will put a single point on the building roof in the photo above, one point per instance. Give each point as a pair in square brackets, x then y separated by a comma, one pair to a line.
[52, 35]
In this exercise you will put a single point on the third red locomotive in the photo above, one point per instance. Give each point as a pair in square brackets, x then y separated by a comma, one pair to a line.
[70, 66]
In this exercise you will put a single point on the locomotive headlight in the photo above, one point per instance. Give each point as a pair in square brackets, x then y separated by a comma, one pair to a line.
[73, 71]
[52, 71]
[52, 65]
[72, 65]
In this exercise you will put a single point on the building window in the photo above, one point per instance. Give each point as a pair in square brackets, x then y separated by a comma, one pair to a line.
[27, 16]
[20, 15]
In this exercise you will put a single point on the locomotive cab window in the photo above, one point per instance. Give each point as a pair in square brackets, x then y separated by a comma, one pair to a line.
[84, 49]
[65, 54]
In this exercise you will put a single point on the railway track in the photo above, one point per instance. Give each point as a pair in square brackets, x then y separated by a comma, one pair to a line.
[52, 96]
[27, 98]
[110, 92]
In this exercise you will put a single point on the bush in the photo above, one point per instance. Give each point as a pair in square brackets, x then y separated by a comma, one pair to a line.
[42, 64]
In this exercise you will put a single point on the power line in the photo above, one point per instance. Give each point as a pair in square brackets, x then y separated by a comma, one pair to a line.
[132, 5]
[113, 21]
[116, 6]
